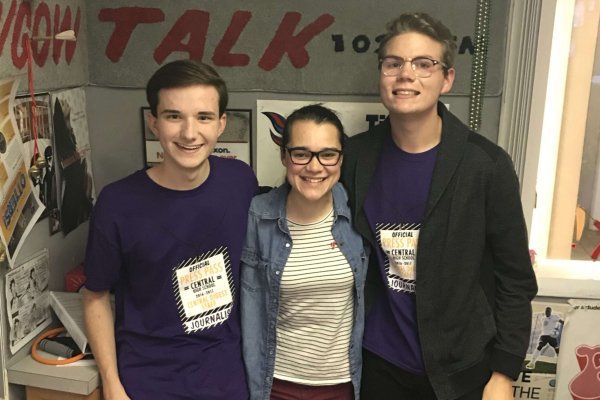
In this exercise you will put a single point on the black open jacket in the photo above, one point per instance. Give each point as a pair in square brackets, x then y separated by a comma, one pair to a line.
[475, 281]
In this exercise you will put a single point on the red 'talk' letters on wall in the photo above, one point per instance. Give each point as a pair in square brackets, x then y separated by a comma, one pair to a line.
[195, 24]
[192, 22]
[126, 19]
[285, 41]
[223, 56]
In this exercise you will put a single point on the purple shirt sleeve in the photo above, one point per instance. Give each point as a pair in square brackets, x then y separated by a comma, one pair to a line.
[103, 258]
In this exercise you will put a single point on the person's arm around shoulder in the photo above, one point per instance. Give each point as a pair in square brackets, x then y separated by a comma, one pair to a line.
[515, 279]
[99, 325]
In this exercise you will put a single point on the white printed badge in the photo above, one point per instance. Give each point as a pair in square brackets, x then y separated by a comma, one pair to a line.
[204, 290]
[399, 245]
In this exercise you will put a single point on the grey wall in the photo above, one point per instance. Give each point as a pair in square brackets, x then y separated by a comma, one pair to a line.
[115, 123]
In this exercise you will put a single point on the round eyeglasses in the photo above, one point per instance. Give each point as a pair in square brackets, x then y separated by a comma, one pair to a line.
[423, 66]
[327, 158]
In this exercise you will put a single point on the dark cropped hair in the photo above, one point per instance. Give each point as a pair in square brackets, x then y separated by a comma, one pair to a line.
[316, 113]
[183, 73]
[426, 25]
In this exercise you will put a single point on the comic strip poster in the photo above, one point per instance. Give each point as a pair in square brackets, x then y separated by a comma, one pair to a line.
[537, 379]
[235, 141]
[43, 186]
[271, 115]
[76, 192]
[578, 376]
[20, 208]
[27, 299]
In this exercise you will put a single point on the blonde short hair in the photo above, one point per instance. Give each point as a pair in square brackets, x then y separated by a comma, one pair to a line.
[426, 25]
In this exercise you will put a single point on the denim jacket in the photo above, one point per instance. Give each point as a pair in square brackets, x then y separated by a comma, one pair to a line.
[265, 254]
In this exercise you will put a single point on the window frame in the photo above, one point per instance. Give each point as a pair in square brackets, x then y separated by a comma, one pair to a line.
[556, 278]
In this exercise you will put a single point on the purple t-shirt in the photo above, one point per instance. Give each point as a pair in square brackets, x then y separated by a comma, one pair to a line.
[395, 207]
[173, 258]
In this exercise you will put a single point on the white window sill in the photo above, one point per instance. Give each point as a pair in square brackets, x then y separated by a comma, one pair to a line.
[569, 279]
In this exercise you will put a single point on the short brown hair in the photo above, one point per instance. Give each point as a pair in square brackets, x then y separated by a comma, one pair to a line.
[426, 25]
[183, 73]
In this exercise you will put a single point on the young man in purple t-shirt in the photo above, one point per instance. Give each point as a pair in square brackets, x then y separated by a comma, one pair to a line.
[169, 240]
[450, 283]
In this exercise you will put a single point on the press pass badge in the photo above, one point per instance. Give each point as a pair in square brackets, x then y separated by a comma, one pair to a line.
[204, 290]
[399, 245]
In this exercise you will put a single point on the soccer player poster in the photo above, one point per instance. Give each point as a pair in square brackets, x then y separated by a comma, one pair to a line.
[578, 376]
[538, 374]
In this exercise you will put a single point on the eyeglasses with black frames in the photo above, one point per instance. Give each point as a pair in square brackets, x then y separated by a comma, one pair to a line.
[423, 66]
[302, 156]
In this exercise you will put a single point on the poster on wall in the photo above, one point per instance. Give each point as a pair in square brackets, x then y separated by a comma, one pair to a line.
[76, 192]
[235, 142]
[271, 115]
[537, 379]
[20, 208]
[578, 376]
[44, 186]
[27, 299]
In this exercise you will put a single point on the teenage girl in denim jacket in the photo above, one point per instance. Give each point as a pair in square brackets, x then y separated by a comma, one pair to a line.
[303, 273]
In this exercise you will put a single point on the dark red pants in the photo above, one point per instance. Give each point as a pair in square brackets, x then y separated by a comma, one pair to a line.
[284, 390]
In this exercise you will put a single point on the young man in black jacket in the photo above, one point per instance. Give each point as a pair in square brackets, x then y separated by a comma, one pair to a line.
[451, 279]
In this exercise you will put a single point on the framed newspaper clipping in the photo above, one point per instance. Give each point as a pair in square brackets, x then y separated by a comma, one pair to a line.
[235, 142]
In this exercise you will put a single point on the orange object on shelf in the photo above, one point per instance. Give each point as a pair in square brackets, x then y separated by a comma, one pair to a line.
[51, 333]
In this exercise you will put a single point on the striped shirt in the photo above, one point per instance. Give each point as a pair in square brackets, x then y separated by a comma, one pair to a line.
[316, 309]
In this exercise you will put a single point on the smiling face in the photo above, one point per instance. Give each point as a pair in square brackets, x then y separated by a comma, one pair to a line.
[313, 180]
[187, 124]
[406, 93]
